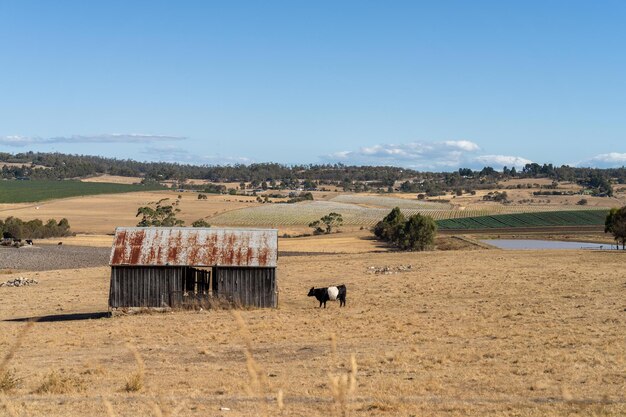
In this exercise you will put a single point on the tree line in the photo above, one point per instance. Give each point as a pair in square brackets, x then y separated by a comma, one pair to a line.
[15, 228]
[39, 165]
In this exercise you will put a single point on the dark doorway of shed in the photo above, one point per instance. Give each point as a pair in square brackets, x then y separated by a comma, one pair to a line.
[197, 286]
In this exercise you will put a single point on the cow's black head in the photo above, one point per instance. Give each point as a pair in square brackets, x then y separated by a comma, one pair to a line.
[311, 292]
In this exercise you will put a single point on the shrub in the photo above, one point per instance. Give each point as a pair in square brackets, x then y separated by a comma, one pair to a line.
[387, 229]
[417, 233]
[200, 223]
[55, 383]
[161, 215]
[214, 189]
[615, 224]
[500, 197]
[8, 381]
[582, 202]
[326, 223]
[301, 197]
[134, 383]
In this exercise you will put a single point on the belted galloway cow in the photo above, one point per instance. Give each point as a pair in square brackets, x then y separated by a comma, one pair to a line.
[329, 294]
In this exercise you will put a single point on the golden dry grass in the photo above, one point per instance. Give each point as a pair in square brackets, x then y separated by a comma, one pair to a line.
[500, 333]
[350, 241]
[94, 240]
[114, 179]
[103, 213]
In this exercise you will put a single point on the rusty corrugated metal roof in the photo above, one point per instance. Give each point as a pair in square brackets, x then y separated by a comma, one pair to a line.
[194, 246]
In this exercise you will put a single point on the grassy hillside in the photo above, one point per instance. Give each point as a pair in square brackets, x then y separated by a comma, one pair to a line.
[541, 219]
[32, 191]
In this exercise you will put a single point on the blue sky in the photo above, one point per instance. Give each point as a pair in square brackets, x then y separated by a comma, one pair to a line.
[428, 85]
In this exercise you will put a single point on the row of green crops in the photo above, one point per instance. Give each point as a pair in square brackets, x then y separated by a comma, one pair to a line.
[539, 219]
[32, 191]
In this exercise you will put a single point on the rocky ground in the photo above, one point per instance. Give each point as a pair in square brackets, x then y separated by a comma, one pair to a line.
[46, 258]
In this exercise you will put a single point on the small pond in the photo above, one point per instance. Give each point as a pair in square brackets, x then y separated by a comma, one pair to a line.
[544, 244]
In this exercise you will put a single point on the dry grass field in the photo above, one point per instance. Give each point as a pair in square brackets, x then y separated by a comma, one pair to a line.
[465, 332]
[103, 213]
[115, 179]
[486, 332]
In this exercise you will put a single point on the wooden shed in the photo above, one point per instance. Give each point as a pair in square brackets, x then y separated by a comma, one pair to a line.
[173, 266]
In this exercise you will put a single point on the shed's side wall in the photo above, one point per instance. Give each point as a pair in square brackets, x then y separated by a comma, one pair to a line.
[133, 286]
[247, 286]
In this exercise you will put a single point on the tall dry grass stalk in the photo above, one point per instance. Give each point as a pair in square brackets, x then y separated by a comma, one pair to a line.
[343, 387]
[333, 346]
[259, 385]
[135, 381]
[4, 372]
[8, 381]
[109, 408]
[162, 410]
[280, 401]
[16, 345]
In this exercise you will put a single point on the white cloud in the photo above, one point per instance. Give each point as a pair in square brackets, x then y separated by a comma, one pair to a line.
[20, 141]
[610, 158]
[422, 155]
[464, 145]
[173, 153]
[447, 155]
[499, 161]
[603, 160]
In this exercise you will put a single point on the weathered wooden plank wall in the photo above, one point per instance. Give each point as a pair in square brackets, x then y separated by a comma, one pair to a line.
[146, 286]
[247, 286]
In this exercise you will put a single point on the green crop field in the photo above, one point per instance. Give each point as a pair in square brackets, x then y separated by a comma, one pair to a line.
[539, 219]
[32, 191]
